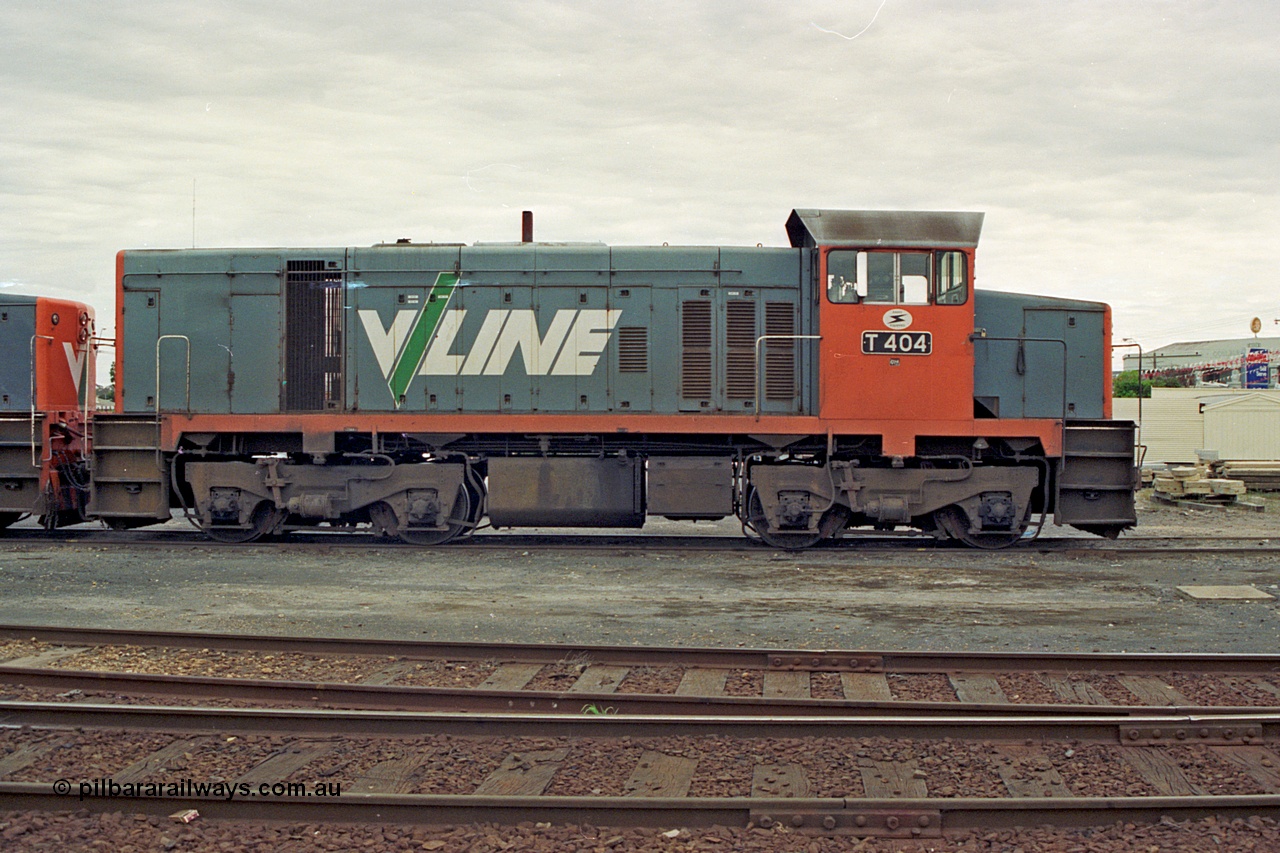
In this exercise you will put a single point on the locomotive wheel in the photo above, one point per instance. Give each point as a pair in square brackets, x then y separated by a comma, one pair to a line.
[953, 521]
[385, 520]
[785, 540]
[476, 496]
[7, 518]
[266, 518]
[428, 536]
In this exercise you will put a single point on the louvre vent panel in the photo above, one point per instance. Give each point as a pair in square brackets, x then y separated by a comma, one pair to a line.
[695, 350]
[740, 325]
[313, 337]
[740, 376]
[696, 324]
[633, 349]
[779, 356]
[696, 381]
[740, 350]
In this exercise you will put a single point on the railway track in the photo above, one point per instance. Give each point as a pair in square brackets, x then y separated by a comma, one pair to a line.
[881, 762]
[863, 776]
[47, 662]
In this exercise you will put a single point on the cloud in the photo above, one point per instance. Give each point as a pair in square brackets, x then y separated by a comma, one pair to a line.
[1122, 151]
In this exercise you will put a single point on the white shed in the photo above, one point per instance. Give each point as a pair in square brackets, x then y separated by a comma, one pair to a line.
[1242, 426]
[1176, 422]
[1172, 427]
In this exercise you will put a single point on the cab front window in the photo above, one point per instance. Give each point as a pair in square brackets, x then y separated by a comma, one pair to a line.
[897, 278]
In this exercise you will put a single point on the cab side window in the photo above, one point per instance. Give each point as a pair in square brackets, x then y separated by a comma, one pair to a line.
[953, 284]
[842, 277]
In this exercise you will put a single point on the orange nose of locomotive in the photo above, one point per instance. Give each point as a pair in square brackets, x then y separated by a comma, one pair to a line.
[62, 349]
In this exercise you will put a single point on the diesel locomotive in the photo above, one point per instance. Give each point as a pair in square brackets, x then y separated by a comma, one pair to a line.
[854, 379]
[46, 407]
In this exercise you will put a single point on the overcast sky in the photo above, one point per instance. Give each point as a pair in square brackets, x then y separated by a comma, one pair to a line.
[1125, 152]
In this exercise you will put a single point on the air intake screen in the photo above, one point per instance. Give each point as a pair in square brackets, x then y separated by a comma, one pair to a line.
[779, 356]
[313, 337]
[695, 350]
[633, 349]
[740, 350]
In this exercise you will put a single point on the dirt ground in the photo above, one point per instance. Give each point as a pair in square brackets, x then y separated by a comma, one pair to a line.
[916, 598]
[1160, 519]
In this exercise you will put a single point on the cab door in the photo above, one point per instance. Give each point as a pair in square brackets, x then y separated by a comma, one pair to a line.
[895, 334]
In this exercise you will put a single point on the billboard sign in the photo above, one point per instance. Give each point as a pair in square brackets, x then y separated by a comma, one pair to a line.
[1257, 373]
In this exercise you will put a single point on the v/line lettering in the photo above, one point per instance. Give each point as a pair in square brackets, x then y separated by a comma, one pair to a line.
[422, 342]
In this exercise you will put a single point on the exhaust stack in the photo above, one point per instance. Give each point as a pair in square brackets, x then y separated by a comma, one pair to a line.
[526, 231]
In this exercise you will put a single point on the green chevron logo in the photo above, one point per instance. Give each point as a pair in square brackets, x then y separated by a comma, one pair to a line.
[400, 363]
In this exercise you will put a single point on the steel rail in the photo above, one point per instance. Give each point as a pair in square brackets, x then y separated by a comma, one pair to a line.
[477, 700]
[1171, 729]
[811, 660]
[880, 817]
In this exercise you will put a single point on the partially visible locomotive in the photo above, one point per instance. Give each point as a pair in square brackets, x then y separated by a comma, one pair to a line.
[46, 397]
[854, 379]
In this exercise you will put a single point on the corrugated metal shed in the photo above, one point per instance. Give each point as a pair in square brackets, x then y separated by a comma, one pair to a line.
[1207, 364]
[1196, 352]
[1176, 422]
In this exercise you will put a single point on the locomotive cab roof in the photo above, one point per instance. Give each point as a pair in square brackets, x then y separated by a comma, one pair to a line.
[925, 229]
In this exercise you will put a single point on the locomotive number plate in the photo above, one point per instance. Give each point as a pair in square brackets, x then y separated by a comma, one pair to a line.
[897, 343]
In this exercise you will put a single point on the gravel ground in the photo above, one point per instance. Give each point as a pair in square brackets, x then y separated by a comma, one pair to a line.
[122, 833]
[229, 664]
[914, 599]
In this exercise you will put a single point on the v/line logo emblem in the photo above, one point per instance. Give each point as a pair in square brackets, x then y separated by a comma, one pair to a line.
[420, 342]
[75, 362]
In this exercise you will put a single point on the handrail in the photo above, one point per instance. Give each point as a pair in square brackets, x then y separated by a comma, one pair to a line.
[90, 391]
[160, 340]
[35, 463]
[1139, 452]
[761, 340]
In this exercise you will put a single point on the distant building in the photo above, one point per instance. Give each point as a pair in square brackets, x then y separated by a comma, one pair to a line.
[1177, 423]
[1223, 364]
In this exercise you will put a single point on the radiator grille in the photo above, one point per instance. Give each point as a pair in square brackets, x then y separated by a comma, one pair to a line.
[313, 337]
[695, 350]
[633, 349]
[779, 356]
[740, 350]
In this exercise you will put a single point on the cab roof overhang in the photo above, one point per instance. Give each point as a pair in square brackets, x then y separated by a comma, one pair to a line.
[924, 229]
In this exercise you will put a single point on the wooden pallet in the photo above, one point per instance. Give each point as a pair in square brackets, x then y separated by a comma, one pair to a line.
[1209, 502]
